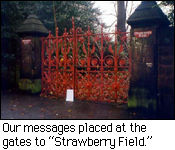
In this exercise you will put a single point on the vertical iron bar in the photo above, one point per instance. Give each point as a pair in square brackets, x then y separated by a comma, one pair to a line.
[49, 55]
[57, 54]
[74, 53]
[101, 68]
[116, 65]
[42, 66]
[57, 60]
[88, 64]
[65, 59]
[130, 59]
[75, 66]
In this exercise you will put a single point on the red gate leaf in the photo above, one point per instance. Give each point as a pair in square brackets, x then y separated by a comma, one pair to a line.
[121, 49]
[110, 49]
[84, 49]
[93, 49]
[68, 50]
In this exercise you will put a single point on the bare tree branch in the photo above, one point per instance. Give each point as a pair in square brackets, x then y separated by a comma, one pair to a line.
[131, 9]
[115, 8]
[110, 14]
[129, 14]
[111, 25]
[126, 6]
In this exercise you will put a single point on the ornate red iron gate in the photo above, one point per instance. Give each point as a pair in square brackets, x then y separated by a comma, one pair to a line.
[96, 66]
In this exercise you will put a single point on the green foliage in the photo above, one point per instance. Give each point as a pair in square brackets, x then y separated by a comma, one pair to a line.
[13, 13]
[170, 6]
[25, 84]
[139, 99]
[29, 85]
[36, 86]
[83, 12]
[10, 19]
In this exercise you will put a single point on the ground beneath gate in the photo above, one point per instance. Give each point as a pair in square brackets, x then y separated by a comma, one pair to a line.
[17, 105]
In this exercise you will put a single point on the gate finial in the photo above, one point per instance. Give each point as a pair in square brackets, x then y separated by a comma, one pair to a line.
[73, 24]
[102, 25]
[57, 32]
[49, 33]
[116, 28]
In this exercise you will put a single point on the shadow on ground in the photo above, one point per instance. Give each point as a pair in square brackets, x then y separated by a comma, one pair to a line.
[17, 105]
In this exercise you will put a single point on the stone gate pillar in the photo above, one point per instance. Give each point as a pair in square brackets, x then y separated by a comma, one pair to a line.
[30, 33]
[147, 22]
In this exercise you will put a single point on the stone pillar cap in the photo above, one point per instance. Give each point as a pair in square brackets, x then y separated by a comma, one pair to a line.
[148, 13]
[32, 26]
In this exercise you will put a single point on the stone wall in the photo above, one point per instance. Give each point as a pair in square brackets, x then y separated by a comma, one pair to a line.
[152, 77]
[166, 72]
[31, 58]
[142, 92]
[30, 71]
[153, 88]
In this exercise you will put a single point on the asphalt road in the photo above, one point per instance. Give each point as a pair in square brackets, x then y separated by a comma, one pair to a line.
[17, 105]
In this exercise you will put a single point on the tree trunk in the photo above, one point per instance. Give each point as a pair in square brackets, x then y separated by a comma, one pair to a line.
[121, 16]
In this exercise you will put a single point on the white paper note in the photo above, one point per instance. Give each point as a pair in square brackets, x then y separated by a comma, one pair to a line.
[70, 95]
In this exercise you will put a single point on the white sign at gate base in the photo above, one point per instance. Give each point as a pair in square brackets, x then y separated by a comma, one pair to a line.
[70, 95]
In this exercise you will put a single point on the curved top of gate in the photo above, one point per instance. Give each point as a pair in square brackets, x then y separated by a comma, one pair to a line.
[78, 31]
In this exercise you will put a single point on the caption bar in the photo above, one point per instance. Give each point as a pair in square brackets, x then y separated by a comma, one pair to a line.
[86, 134]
